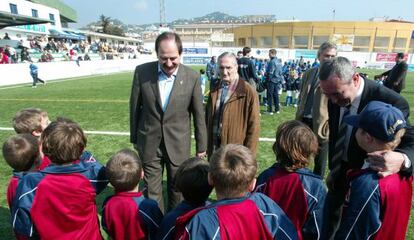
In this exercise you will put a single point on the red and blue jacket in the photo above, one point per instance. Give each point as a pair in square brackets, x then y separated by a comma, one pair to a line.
[376, 208]
[58, 202]
[254, 216]
[11, 189]
[14, 180]
[301, 194]
[128, 215]
[45, 163]
[167, 226]
[11, 194]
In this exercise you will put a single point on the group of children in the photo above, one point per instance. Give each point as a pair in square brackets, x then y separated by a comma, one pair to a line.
[52, 192]
[290, 85]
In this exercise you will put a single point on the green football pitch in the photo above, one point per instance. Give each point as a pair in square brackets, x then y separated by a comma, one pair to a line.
[100, 103]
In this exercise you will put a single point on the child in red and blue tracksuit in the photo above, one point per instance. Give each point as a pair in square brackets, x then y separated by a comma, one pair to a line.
[58, 202]
[22, 153]
[377, 207]
[191, 180]
[32, 121]
[127, 214]
[237, 214]
[299, 192]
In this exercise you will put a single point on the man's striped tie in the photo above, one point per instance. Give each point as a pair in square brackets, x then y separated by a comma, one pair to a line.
[340, 145]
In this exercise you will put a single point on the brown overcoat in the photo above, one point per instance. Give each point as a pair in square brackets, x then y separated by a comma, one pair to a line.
[240, 120]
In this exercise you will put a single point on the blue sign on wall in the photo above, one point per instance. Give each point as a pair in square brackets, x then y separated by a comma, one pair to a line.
[412, 35]
[305, 53]
[35, 28]
[196, 60]
[195, 50]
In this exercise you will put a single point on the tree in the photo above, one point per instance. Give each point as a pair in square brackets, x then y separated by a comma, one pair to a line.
[108, 27]
[105, 23]
[115, 30]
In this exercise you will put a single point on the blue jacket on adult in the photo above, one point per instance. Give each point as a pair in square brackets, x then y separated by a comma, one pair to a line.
[274, 72]
[247, 69]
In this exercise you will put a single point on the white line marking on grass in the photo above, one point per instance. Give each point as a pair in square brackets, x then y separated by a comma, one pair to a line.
[107, 133]
[61, 80]
[125, 134]
[63, 100]
[267, 139]
[87, 132]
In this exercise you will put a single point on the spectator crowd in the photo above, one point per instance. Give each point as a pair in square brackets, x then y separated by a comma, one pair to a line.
[46, 49]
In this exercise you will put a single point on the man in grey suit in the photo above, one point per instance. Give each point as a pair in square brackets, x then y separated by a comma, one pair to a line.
[164, 95]
[313, 107]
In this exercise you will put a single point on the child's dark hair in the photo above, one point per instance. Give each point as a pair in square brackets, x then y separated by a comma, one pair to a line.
[21, 152]
[63, 141]
[202, 71]
[191, 180]
[295, 145]
[124, 170]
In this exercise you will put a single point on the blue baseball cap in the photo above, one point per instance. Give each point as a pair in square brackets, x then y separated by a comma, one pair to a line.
[379, 119]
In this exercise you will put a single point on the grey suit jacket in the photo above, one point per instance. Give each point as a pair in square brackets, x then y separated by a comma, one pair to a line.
[320, 105]
[149, 125]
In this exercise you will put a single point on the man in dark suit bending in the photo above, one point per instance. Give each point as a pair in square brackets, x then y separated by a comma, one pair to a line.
[349, 93]
[395, 77]
[164, 95]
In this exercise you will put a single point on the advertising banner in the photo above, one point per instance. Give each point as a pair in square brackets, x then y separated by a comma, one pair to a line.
[222, 37]
[388, 57]
[195, 51]
[311, 54]
[344, 42]
[195, 60]
[34, 28]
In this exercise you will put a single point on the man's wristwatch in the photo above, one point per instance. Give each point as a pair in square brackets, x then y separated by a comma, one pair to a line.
[406, 163]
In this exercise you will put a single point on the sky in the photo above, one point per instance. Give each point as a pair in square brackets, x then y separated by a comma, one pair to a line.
[147, 11]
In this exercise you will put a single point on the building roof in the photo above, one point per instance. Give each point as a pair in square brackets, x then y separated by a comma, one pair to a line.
[90, 33]
[399, 21]
[67, 14]
[7, 20]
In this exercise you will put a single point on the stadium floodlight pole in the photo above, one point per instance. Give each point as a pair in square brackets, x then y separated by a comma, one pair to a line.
[162, 13]
[333, 13]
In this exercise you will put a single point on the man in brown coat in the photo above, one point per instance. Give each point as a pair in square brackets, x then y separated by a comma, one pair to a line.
[232, 109]
[165, 94]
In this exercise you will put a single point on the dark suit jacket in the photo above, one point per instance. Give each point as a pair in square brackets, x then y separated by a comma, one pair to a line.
[149, 124]
[396, 77]
[356, 155]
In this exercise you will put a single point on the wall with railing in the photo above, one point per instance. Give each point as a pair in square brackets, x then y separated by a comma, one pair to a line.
[12, 74]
